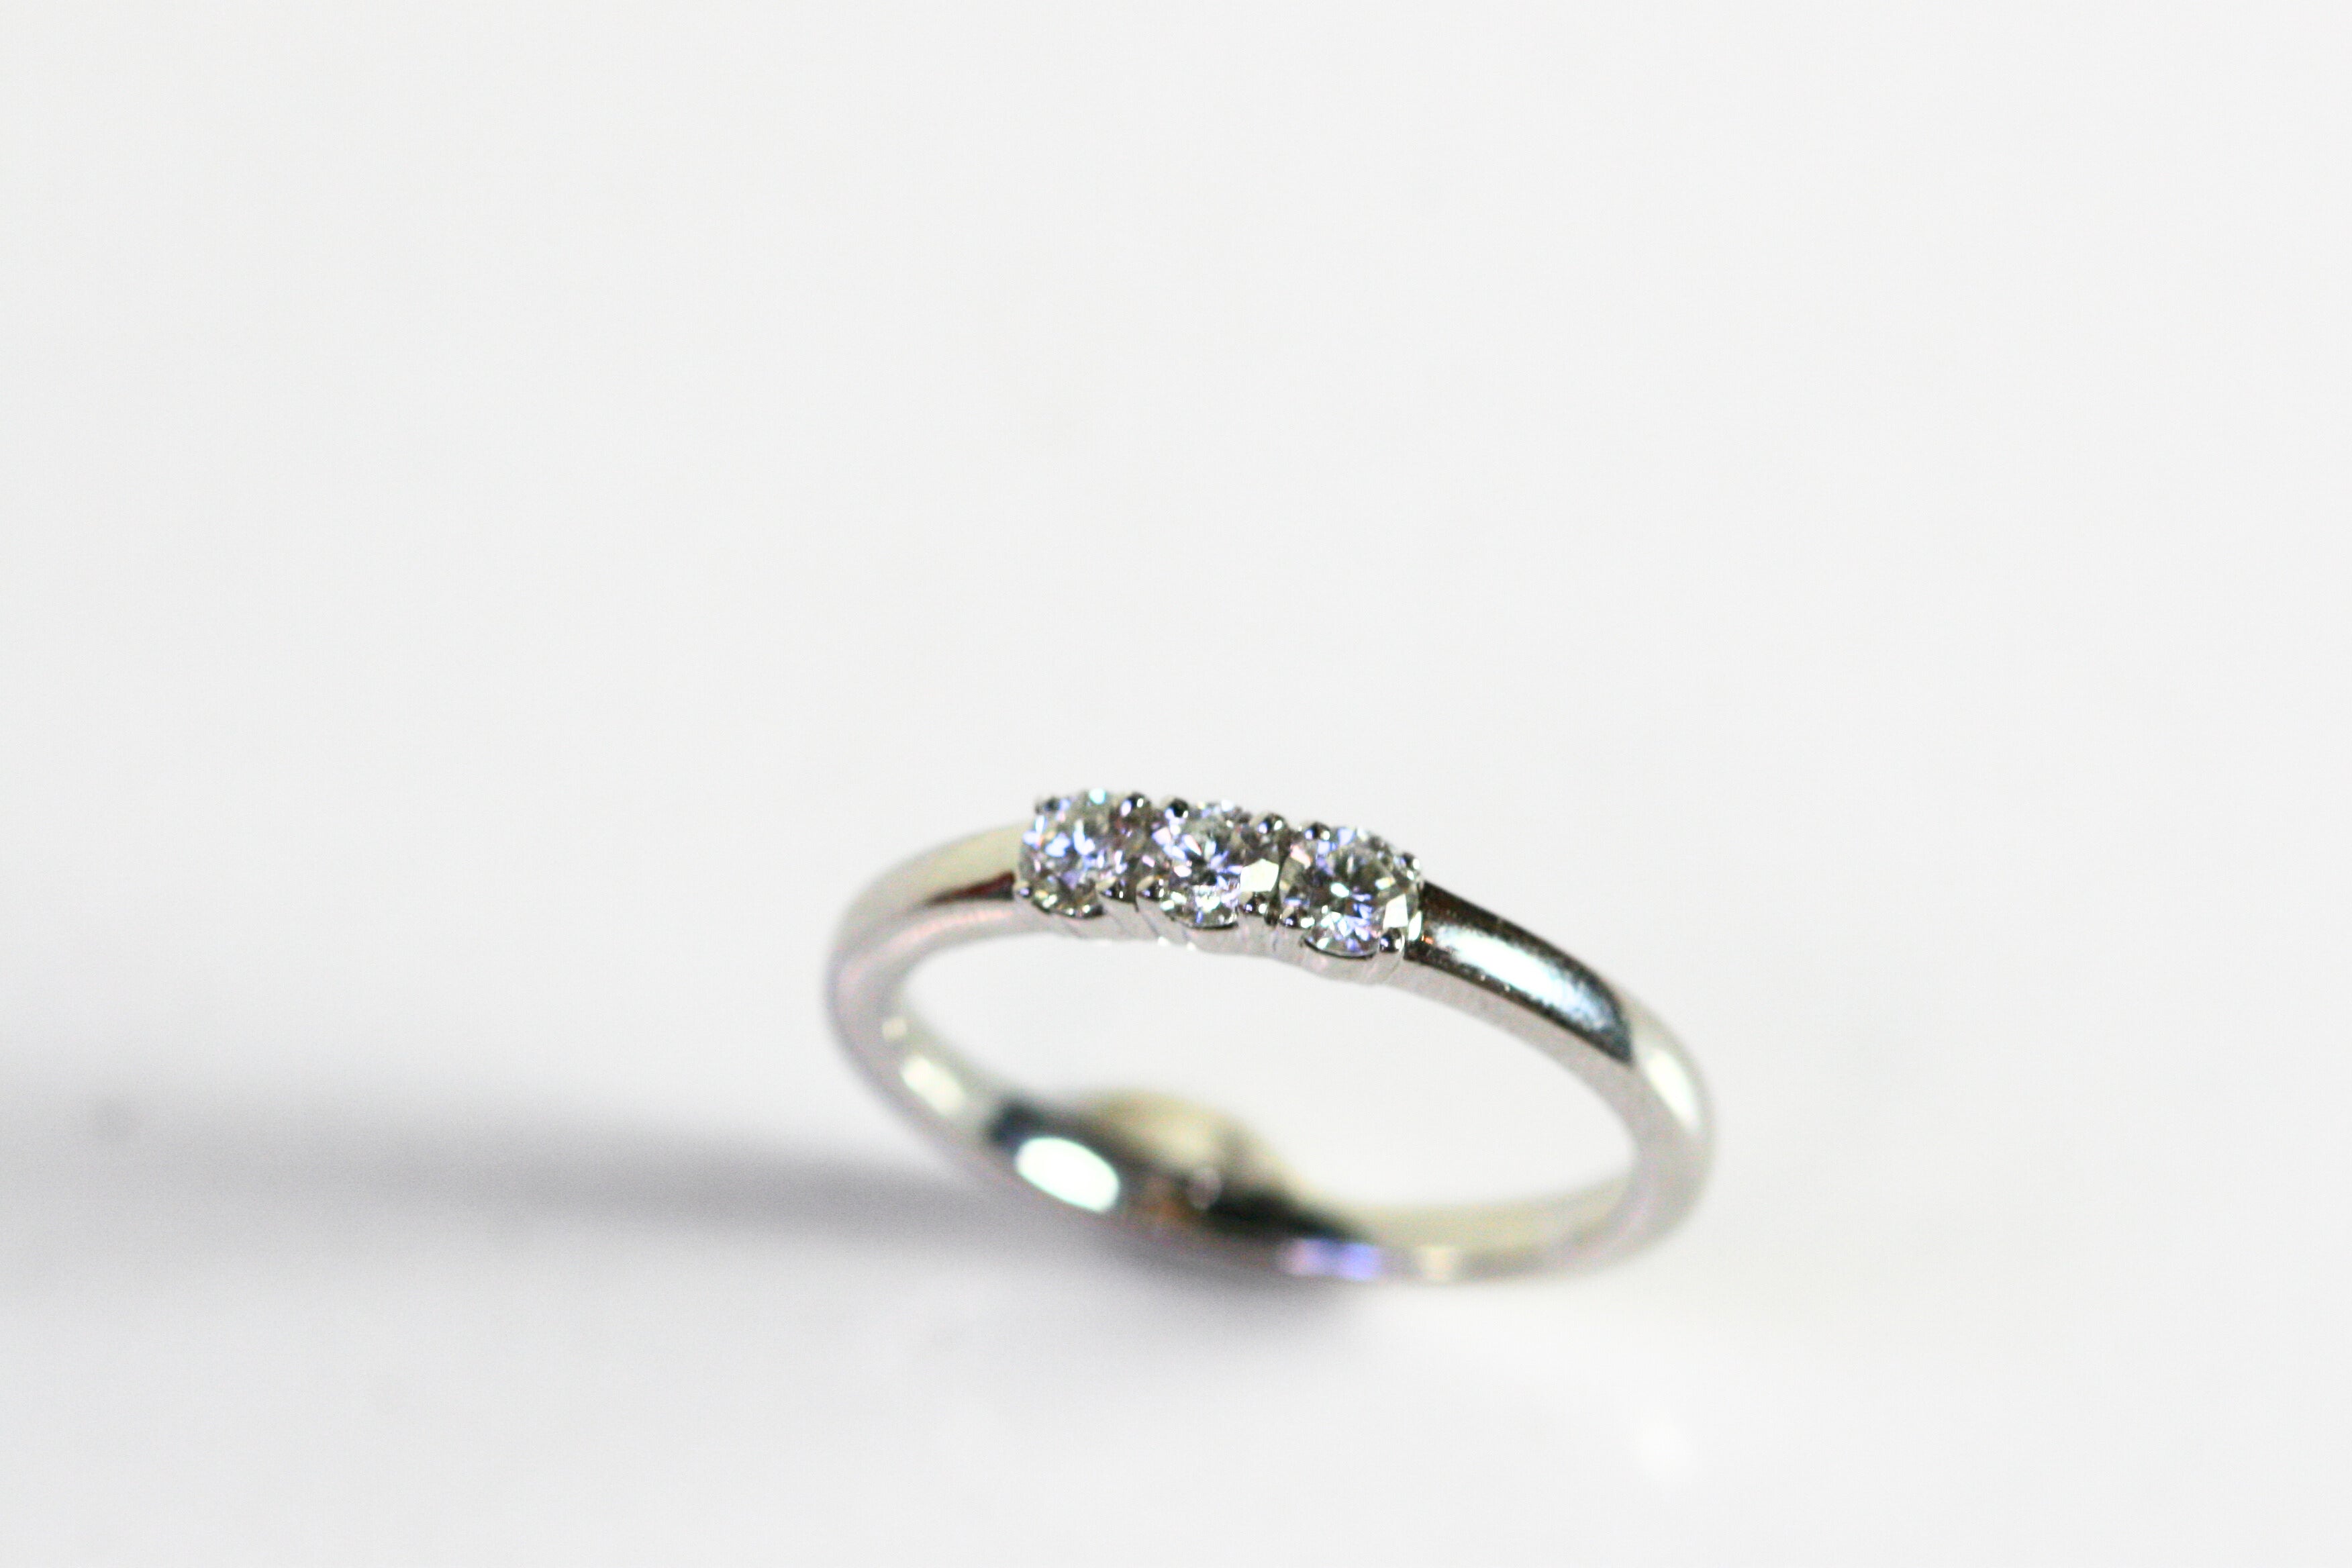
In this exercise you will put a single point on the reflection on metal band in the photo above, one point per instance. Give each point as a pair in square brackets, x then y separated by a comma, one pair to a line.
[1497, 956]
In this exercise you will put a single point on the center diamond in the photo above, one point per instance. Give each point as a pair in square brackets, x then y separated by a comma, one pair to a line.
[1212, 861]
[1348, 892]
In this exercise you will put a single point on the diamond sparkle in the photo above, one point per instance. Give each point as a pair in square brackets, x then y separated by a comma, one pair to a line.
[1229, 875]
[1348, 893]
[1079, 849]
[1209, 861]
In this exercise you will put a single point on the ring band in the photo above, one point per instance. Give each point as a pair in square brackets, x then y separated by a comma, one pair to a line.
[1336, 901]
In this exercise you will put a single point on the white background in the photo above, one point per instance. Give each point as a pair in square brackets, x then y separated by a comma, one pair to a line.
[510, 514]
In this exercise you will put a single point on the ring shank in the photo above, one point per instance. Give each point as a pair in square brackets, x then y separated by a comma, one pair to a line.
[1184, 1176]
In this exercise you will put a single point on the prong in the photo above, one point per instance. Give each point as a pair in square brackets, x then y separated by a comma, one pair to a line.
[1175, 808]
[1157, 922]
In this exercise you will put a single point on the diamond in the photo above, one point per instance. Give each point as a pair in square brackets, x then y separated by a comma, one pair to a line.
[1212, 860]
[1079, 847]
[1347, 891]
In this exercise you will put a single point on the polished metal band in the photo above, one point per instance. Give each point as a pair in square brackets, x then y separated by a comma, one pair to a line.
[1186, 1176]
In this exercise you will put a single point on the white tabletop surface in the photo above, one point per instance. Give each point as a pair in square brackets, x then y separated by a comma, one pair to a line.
[508, 514]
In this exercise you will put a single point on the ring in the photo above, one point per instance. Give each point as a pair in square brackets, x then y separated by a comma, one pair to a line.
[1339, 901]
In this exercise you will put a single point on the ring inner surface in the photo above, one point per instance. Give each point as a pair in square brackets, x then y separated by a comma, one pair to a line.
[1191, 1174]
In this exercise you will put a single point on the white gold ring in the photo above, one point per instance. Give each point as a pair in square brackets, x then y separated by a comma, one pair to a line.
[1336, 901]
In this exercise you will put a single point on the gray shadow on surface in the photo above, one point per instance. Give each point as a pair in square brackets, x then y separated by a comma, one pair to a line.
[180, 1167]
